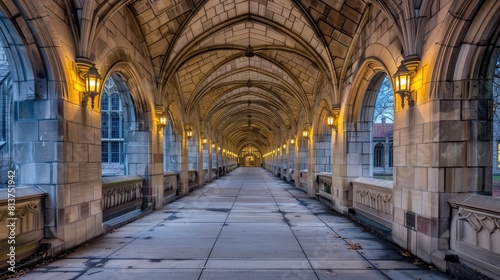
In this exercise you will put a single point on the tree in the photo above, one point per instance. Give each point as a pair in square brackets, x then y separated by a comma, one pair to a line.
[384, 106]
[496, 100]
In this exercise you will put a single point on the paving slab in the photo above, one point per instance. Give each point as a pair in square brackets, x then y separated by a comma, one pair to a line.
[246, 225]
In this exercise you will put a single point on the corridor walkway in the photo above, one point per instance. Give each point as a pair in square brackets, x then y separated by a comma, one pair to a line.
[247, 225]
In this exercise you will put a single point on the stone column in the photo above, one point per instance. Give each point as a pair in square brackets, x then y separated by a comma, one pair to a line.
[57, 147]
[144, 158]
[201, 163]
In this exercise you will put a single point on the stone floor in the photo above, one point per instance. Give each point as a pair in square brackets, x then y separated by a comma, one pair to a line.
[247, 225]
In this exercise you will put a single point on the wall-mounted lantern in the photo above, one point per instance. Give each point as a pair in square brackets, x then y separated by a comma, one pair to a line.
[402, 81]
[163, 121]
[189, 131]
[213, 145]
[93, 81]
[203, 139]
[292, 141]
[331, 120]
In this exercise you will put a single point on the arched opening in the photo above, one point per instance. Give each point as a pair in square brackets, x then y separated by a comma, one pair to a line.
[323, 144]
[117, 114]
[382, 131]
[373, 125]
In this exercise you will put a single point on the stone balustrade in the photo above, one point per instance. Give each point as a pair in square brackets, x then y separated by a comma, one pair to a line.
[231, 167]
[290, 175]
[192, 179]
[374, 199]
[170, 186]
[28, 223]
[325, 183]
[475, 232]
[121, 195]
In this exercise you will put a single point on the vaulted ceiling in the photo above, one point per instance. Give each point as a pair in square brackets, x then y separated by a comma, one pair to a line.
[249, 68]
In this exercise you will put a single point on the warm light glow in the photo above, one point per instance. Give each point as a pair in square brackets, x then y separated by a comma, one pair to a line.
[402, 79]
[203, 140]
[284, 146]
[292, 141]
[163, 121]
[92, 80]
[305, 133]
[213, 145]
[92, 86]
[189, 132]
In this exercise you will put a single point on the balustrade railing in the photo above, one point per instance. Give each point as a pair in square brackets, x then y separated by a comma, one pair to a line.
[325, 182]
[28, 224]
[373, 198]
[120, 195]
[213, 174]
[475, 232]
[192, 179]
[169, 184]
[206, 176]
[231, 167]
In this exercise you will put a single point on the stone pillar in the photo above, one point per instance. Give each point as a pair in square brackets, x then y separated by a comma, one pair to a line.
[57, 147]
[290, 161]
[209, 160]
[144, 158]
[441, 148]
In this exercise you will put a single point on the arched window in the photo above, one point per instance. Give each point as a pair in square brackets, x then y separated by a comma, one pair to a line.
[112, 131]
[382, 130]
[378, 155]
